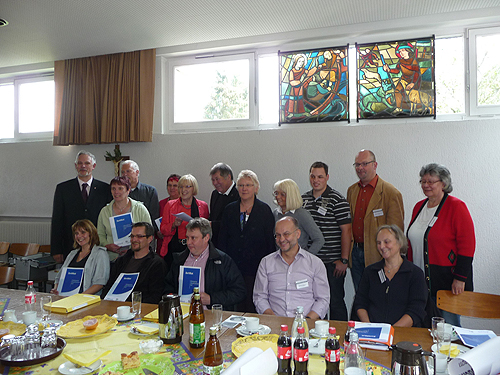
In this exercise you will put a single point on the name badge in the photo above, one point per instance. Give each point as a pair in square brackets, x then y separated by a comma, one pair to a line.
[433, 221]
[378, 212]
[300, 284]
[322, 211]
[381, 275]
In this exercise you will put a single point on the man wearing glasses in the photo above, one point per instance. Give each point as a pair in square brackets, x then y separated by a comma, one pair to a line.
[139, 258]
[291, 277]
[374, 202]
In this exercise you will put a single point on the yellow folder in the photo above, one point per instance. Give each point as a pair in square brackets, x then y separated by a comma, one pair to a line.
[153, 315]
[72, 303]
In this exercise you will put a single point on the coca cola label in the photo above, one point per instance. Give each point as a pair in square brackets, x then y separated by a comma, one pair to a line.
[284, 352]
[301, 355]
[332, 355]
[29, 299]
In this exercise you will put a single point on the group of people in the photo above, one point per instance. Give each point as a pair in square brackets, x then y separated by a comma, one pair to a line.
[253, 258]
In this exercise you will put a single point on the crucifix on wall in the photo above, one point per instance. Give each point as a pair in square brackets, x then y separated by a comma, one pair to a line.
[116, 157]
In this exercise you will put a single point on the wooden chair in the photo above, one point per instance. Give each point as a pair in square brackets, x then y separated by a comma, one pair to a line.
[473, 304]
[7, 275]
[4, 256]
[23, 249]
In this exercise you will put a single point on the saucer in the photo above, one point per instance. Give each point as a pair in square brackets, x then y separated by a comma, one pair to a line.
[313, 333]
[317, 346]
[243, 331]
[129, 317]
[69, 368]
[462, 349]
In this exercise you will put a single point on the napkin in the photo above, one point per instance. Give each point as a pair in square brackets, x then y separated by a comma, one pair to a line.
[85, 358]
[153, 315]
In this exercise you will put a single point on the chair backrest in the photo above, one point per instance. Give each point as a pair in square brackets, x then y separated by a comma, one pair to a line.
[6, 275]
[4, 247]
[44, 249]
[474, 304]
[23, 249]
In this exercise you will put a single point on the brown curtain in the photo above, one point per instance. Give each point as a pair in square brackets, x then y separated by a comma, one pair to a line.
[105, 99]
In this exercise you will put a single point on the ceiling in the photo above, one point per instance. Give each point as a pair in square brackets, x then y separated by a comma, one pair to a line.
[49, 30]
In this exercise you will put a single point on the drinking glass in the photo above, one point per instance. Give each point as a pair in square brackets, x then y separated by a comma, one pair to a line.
[437, 328]
[136, 303]
[45, 300]
[443, 351]
[217, 314]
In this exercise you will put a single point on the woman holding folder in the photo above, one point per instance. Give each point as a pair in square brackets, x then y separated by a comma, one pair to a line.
[92, 258]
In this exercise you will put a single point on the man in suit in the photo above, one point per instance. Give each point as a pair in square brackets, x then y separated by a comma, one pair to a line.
[373, 202]
[82, 197]
[225, 192]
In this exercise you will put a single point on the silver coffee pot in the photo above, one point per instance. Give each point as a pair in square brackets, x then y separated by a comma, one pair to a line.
[408, 359]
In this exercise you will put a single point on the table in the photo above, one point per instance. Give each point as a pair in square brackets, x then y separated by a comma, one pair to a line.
[226, 335]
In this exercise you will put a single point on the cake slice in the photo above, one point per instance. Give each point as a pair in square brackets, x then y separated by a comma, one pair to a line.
[130, 361]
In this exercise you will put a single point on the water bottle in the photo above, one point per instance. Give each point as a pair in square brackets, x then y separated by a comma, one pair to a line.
[354, 361]
[299, 321]
[30, 298]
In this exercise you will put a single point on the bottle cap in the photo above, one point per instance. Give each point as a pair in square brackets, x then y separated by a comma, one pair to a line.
[197, 297]
[196, 290]
[332, 331]
[284, 328]
[300, 309]
[30, 282]
[213, 331]
[351, 323]
[300, 329]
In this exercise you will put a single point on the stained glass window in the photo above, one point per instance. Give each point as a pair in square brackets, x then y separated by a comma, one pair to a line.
[396, 79]
[314, 85]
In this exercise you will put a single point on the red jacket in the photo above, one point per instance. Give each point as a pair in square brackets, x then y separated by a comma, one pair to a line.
[175, 207]
[449, 244]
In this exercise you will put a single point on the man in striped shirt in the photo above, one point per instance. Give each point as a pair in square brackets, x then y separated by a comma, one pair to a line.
[331, 213]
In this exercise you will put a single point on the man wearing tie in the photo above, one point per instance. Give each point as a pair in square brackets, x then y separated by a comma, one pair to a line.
[82, 197]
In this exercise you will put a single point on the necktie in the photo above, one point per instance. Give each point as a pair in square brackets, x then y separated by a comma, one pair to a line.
[84, 192]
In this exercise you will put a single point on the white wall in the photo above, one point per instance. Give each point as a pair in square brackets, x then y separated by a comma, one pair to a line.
[30, 171]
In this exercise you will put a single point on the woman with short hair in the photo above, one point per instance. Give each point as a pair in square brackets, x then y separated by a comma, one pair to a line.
[287, 197]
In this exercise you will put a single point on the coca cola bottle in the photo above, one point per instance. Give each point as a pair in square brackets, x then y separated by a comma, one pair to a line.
[284, 352]
[332, 353]
[350, 328]
[300, 353]
[30, 297]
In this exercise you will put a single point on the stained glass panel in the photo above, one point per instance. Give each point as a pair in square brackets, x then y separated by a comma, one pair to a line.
[396, 79]
[314, 85]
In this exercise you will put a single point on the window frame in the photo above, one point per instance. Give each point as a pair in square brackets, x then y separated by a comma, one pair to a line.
[167, 95]
[16, 81]
[471, 53]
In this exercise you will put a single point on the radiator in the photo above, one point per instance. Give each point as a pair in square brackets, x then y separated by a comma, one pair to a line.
[31, 231]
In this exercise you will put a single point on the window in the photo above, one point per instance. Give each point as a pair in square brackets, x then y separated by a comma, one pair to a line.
[27, 107]
[484, 61]
[212, 92]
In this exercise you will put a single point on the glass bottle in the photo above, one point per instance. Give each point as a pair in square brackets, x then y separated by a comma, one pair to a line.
[332, 353]
[300, 353]
[197, 324]
[196, 290]
[299, 321]
[30, 297]
[350, 328]
[354, 361]
[212, 360]
[284, 352]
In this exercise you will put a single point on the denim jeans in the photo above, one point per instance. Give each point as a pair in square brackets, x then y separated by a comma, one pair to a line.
[358, 265]
[338, 309]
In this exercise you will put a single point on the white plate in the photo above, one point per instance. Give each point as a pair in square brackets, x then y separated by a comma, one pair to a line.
[312, 332]
[243, 331]
[148, 324]
[461, 348]
[129, 317]
[317, 346]
[69, 368]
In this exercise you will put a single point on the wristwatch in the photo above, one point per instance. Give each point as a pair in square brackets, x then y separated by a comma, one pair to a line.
[344, 260]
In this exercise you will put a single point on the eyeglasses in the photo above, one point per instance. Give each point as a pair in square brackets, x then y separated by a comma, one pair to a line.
[363, 164]
[139, 236]
[423, 182]
[285, 235]
[279, 193]
[248, 186]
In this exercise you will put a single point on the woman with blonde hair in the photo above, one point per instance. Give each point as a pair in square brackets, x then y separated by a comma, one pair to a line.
[287, 197]
[247, 232]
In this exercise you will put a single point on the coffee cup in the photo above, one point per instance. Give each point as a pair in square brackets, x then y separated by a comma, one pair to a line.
[321, 327]
[10, 316]
[123, 312]
[252, 324]
[29, 317]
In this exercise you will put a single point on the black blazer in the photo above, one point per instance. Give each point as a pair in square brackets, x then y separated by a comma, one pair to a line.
[68, 207]
[217, 204]
[249, 246]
